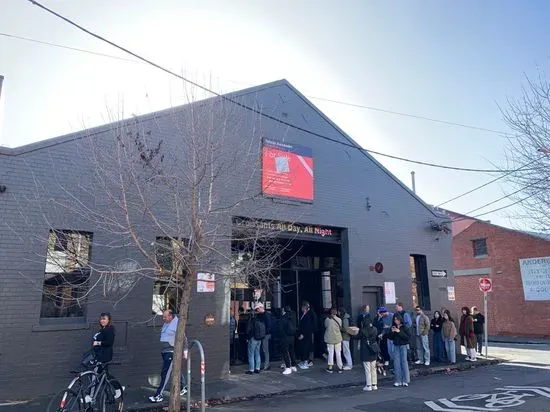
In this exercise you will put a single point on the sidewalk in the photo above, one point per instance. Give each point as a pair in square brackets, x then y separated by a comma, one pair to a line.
[241, 387]
[519, 340]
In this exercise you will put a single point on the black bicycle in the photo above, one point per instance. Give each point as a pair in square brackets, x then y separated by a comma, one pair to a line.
[93, 390]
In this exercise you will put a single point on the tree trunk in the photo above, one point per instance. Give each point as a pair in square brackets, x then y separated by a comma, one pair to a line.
[177, 363]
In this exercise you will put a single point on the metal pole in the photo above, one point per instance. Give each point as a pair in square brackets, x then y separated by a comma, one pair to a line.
[485, 328]
[413, 182]
[189, 377]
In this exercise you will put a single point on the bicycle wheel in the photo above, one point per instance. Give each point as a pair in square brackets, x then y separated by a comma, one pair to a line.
[112, 398]
[66, 401]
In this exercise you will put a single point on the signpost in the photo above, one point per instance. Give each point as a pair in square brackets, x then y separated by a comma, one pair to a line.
[485, 285]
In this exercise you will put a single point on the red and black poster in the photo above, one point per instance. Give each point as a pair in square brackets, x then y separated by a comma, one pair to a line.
[287, 170]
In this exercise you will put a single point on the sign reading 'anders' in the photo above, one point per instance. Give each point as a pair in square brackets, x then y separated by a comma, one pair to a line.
[287, 170]
[535, 276]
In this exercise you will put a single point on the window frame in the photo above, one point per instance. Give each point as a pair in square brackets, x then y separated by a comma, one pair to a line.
[75, 277]
[475, 250]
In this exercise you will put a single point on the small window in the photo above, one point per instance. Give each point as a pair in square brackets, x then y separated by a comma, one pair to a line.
[480, 247]
[66, 274]
[166, 295]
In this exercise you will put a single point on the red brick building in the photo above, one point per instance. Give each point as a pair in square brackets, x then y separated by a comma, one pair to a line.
[481, 249]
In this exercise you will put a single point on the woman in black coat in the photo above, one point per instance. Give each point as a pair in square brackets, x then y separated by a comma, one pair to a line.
[369, 353]
[104, 339]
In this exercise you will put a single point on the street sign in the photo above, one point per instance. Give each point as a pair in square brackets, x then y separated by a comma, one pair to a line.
[485, 285]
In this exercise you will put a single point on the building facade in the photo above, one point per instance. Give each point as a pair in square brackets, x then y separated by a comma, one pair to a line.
[354, 235]
[520, 300]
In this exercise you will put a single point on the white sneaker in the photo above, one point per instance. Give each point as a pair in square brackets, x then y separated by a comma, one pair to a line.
[406, 385]
[418, 362]
[396, 384]
[287, 371]
[118, 393]
[427, 363]
[374, 387]
[347, 368]
[156, 399]
[183, 391]
[303, 366]
[294, 369]
[367, 388]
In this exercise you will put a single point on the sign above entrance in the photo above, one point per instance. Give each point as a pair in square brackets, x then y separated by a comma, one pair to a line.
[287, 170]
[299, 229]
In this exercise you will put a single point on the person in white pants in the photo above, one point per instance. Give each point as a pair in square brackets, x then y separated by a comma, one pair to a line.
[346, 339]
[333, 339]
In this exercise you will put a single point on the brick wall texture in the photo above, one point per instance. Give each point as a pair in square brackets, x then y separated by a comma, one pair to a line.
[509, 313]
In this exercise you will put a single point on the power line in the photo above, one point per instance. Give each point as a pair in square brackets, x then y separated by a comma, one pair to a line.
[430, 119]
[372, 108]
[488, 183]
[504, 207]
[256, 111]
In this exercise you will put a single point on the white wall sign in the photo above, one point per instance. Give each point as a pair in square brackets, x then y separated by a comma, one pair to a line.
[389, 293]
[206, 282]
[451, 293]
[535, 276]
[439, 273]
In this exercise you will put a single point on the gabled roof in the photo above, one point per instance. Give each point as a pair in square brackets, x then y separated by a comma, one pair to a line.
[5, 151]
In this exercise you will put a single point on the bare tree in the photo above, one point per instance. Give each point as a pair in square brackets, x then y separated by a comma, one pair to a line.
[164, 176]
[528, 150]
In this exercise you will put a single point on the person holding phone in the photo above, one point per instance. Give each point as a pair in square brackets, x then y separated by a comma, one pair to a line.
[400, 335]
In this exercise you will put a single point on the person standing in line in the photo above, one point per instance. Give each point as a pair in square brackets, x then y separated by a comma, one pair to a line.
[306, 329]
[364, 316]
[265, 317]
[467, 334]
[232, 330]
[242, 334]
[333, 339]
[422, 337]
[386, 321]
[345, 317]
[479, 328]
[287, 334]
[369, 351]
[167, 341]
[407, 320]
[400, 335]
[436, 325]
[448, 333]
[256, 335]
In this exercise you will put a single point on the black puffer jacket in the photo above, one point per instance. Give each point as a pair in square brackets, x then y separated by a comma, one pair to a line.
[369, 346]
[401, 338]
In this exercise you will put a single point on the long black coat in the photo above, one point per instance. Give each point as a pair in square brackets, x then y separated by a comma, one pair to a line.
[368, 335]
[104, 352]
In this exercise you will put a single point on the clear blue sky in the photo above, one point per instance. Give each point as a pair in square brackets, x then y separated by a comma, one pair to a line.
[454, 61]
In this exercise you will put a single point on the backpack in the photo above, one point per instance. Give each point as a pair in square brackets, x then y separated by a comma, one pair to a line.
[258, 329]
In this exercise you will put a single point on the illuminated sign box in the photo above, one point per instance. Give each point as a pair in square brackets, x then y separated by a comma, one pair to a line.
[287, 171]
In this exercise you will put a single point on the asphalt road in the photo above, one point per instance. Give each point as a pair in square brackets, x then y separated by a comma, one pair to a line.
[521, 384]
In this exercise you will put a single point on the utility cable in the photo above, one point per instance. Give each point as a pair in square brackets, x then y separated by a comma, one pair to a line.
[273, 118]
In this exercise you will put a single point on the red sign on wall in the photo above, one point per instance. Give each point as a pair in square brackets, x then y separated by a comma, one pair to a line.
[485, 285]
[287, 170]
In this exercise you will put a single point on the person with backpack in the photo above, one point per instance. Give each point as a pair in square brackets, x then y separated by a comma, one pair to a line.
[369, 350]
[287, 333]
[256, 334]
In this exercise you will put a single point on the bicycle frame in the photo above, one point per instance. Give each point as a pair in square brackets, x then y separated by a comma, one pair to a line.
[89, 393]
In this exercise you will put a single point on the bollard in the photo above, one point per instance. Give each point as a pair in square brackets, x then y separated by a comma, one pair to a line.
[203, 372]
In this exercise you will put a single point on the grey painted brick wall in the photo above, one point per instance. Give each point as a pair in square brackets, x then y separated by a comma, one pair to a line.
[34, 360]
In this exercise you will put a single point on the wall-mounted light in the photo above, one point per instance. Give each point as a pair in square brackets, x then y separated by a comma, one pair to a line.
[2, 188]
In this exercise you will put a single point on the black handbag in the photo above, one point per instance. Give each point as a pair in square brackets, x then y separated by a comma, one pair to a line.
[88, 359]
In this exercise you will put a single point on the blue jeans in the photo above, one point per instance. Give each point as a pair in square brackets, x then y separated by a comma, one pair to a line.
[401, 366]
[438, 347]
[423, 348]
[254, 359]
[450, 347]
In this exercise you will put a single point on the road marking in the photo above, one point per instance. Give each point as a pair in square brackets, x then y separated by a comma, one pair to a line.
[506, 397]
[526, 365]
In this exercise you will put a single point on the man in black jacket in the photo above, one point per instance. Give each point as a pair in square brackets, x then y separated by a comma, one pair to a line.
[479, 326]
[287, 334]
[306, 329]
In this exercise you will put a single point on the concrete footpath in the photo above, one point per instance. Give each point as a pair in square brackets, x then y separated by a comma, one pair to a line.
[240, 387]
[519, 340]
